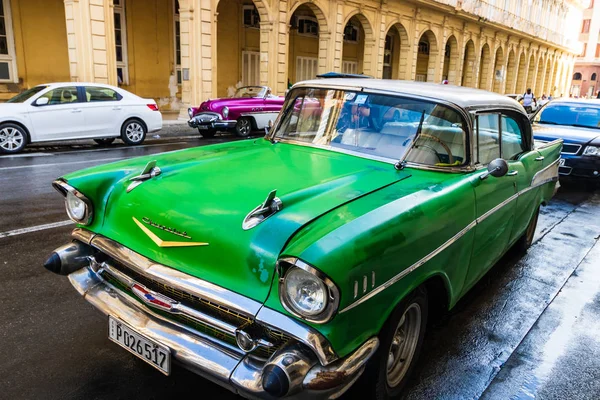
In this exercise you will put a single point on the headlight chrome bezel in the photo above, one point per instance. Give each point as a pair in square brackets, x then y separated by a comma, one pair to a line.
[287, 264]
[596, 152]
[63, 188]
[225, 112]
[190, 113]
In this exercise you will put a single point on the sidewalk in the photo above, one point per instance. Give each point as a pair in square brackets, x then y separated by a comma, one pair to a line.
[559, 358]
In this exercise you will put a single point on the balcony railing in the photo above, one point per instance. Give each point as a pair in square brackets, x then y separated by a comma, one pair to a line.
[492, 13]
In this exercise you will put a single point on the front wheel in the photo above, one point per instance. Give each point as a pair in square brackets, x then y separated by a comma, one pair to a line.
[13, 138]
[133, 132]
[243, 127]
[400, 342]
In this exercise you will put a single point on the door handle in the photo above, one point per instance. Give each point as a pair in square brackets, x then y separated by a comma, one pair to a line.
[116, 108]
[540, 158]
[512, 173]
[76, 110]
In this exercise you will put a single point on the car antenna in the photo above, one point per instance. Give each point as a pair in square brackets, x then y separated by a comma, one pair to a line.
[402, 162]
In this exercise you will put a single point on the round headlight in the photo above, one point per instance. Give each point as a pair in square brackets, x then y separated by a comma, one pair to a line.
[190, 112]
[76, 208]
[225, 112]
[305, 292]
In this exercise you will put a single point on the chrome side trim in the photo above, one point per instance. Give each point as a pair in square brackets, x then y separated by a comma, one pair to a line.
[177, 279]
[547, 144]
[82, 235]
[539, 179]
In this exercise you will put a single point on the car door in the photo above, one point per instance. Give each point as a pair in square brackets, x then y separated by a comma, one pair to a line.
[494, 199]
[60, 118]
[102, 110]
[523, 164]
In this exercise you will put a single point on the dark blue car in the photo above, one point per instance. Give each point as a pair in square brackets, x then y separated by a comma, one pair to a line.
[577, 122]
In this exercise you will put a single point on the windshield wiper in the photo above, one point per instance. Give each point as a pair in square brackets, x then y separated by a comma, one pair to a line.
[402, 162]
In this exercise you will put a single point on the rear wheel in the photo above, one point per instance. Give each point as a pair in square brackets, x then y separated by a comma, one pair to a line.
[13, 138]
[525, 241]
[133, 132]
[207, 133]
[243, 127]
[400, 342]
[104, 142]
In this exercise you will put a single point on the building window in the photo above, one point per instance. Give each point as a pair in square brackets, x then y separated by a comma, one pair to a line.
[424, 48]
[598, 50]
[350, 33]
[349, 67]
[8, 66]
[584, 50]
[594, 76]
[251, 17]
[577, 76]
[121, 42]
[387, 51]
[585, 27]
[306, 68]
[250, 68]
[308, 26]
[177, 45]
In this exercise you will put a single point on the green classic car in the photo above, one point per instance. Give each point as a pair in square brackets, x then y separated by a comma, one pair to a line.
[290, 266]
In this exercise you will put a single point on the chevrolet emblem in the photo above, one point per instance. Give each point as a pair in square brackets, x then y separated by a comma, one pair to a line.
[164, 243]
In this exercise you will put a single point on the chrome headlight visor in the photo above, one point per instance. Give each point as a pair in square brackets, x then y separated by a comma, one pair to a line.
[79, 208]
[592, 151]
[306, 292]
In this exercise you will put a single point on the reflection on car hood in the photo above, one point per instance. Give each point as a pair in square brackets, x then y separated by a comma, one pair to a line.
[570, 134]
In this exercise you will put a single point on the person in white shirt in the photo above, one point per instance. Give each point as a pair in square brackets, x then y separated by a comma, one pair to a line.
[543, 100]
[529, 101]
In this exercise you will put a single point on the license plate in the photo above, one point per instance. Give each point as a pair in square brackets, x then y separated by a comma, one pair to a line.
[561, 162]
[153, 353]
[203, 127]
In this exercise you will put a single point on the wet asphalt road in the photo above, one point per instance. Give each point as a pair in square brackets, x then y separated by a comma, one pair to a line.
[529, 329]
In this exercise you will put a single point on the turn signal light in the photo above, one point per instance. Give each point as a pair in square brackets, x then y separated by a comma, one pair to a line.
[153, 107]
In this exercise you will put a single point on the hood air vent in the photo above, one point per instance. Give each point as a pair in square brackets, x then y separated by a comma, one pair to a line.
[270, 206]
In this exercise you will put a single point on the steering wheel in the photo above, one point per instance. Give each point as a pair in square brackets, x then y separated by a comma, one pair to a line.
[442, 143]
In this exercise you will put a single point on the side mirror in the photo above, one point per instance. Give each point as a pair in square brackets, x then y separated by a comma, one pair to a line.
[42, 101]
[496, 168]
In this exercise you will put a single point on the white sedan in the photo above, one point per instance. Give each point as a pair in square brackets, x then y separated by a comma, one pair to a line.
[63, 111]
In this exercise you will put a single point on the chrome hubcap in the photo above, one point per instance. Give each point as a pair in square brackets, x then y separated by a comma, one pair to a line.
[404, 344]
[134, 132]
[11, 138]
[244, 126]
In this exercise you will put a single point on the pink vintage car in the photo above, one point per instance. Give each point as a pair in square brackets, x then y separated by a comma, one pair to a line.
[250, 109]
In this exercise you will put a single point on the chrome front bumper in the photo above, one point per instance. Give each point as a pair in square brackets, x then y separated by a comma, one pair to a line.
[211, 120]
[311, 375]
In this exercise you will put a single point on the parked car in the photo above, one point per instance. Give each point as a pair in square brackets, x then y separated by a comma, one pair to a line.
[250, 109]
[322, 260]
[577, 122]
[74, 110]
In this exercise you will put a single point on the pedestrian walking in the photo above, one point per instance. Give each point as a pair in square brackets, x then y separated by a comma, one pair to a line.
[529, 101]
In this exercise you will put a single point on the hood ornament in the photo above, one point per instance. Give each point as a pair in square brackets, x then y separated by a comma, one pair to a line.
[270, 206]
[164, 243]
[149, 171]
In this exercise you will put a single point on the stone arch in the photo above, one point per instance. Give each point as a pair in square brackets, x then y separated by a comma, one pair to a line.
[239, 58]
[485, 67]
[511, 72]
[451, 59]
[427, 53]
[522, 73]
[547, 88]
[307, 54]
[555, 76]
[398, 55]
[468, 71]
[361, 52]
[539, 76]
[498, 65]
[531, 73]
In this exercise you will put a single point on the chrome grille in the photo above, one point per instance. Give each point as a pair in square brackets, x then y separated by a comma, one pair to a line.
[570, 148]
[278, 339]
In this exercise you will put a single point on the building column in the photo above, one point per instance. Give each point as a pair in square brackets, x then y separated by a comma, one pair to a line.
[336, 53]
[91, 41]
[198, 52]
[550, 84]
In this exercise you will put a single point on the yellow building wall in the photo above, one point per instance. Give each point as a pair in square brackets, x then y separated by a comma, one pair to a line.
[301, 46]
[40, 37]
[150, 49]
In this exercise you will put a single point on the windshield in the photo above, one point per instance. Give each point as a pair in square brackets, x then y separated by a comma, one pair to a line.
[21, 97]
[570, 114]
[250, 91]
[374, 124]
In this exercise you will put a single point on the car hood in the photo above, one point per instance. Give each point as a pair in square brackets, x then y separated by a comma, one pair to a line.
[204, 194]
[570, 134]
